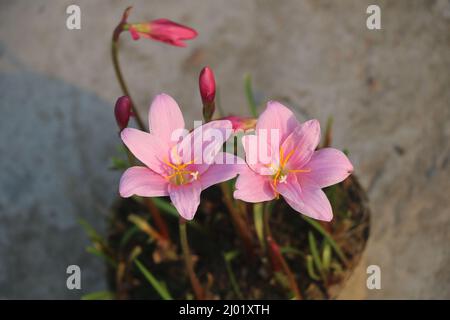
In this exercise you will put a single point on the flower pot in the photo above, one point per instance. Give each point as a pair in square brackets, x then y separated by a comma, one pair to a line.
[222, 264]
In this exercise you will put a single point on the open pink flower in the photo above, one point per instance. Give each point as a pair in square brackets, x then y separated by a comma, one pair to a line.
[176, 164]
[293, 168]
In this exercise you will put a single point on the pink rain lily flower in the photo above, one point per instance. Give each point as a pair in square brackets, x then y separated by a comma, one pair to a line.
[293, 169]
[176, 165]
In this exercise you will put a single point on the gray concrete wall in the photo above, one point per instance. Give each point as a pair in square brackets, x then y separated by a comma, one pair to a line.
[387, 90]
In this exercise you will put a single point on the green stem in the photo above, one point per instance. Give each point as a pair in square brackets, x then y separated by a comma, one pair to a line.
[258, 219]
[120, 78]
[195, 283]
[328, 237]
[250, 96]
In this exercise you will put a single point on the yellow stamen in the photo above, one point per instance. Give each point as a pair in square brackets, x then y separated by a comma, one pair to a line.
[180, 172]
[281, 174]
[288, 156]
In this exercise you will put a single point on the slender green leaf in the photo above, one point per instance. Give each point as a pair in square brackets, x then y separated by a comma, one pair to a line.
[99, 295]
[291, 250]
[250, 96]
[166, 207]
[228, 257]
[118, 163]
[310, 268]
[336, 267]
[326, 256]
[328, 133]
[258, 218]
[98, 253]
[328, 237]
[160, 287]
[128, 235]
[91, 232]
[134, 253]
[220, 112]
[314, 251]
[231, 255]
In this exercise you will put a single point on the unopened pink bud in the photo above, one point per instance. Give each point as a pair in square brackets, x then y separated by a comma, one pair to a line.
[207, 85]
[123, 111]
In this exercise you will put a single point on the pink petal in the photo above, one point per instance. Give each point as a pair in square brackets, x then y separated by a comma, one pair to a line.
[142, 182]
[203, 144]
[146, 148]
[165, 118]
[252, 187]
[167, 29]
[307, 198]
[217, 173]
[186, 198]
[303, 140]
[328, 166]
[277, 116]
[291, 188]
[134, 33]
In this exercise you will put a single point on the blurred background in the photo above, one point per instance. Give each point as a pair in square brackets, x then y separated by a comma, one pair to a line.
[388, 91]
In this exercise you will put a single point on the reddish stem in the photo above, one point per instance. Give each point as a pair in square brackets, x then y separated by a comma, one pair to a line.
[159, 221]
[279, 263]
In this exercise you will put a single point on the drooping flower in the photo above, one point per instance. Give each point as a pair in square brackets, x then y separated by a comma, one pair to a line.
[293, 168]
[122, 111]
[176, 165]
[163, 30]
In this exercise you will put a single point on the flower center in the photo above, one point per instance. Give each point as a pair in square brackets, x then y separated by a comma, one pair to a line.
[180, 174]
[281, 172]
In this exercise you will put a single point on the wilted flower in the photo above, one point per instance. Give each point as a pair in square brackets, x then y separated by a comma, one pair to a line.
[294, 170]
[171, 167]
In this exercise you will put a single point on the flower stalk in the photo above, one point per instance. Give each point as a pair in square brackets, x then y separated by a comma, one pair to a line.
[120, 78]
[158, 219]
[195, 283]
